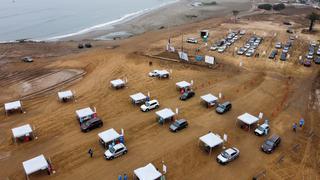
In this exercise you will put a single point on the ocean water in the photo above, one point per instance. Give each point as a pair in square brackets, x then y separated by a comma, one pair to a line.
[52, 19]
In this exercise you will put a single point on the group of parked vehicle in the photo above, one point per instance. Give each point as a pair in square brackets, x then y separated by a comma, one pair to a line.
[231, 38]
[250, 46]
[285, 49]
[312, 55]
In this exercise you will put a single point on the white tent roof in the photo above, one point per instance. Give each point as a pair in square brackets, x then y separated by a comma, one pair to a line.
[148, 172]
[211, 139]
[165, 113]
[65, 94]
[183, 84]
[117, 82]
[248, 118]
[84, 112]
[35, 164]
[12, 105]
[109, 135]
[21, 131]
[163, 72]
[138, 97]
[209, 98]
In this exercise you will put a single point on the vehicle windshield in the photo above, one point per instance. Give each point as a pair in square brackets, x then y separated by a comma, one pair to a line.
[112, 150]
[176, 124]
[261, 128]
[225, 154]
[221, 106]
[147, 104]
[269, 143]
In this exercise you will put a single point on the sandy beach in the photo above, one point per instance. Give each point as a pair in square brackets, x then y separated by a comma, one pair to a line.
[181, 12]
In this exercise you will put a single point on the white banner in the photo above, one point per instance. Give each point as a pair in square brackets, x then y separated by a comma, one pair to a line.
[183, 56]
[209, 59]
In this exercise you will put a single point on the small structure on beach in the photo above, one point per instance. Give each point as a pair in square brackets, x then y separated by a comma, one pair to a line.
[110, 138]
[148, 172]
[22, 133]
[247, 120]
[209, 100]
[118, 83]
[39, 163]
[138, 98]
[12, 107]
[65, 96]
[183, 85]
[164, 115]
[86, 114]
[210, 141]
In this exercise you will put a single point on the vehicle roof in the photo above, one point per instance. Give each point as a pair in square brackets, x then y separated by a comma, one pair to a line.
[118, 146]
[180, 121]
[264, 125]
[153, 101]
[94, 120]
[274, 137]
[226, 103]
[230, 151]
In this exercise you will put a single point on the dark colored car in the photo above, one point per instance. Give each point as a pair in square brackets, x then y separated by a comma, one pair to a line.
[307, 63]
[273, 54]
[187, 95]
[317, 60]
[283, 56]
[270, 144]
[224, 107]
[178, 125]
[91, 124]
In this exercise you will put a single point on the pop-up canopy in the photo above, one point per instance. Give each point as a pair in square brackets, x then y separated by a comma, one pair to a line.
[148, 172]
[85, 114]
[21, 131]
[138, 98]
[212, 140]
[108, 136]
[209, 99]
[248, 118]
[165, 113]
[183, 84]
[65, 95]
[12, 106]
[118, 83]
[35, 164]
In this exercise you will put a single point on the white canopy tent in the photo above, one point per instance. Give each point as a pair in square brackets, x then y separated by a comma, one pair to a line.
[117, 84]
[85, 114]
[12, 106]
[163, 74]
[164, 115]
[108, 136]
[35, 164]
[65, 95]
[209, 99]
[183, 85]
[211, 140]
[22, 131]
[248, 119]
[138, 98]
[148, 172]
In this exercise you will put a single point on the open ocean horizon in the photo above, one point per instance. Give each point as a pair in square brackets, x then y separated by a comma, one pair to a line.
[56, 19]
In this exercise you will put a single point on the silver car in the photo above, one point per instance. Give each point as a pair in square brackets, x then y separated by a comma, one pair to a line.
[115, 151]
[228, 155]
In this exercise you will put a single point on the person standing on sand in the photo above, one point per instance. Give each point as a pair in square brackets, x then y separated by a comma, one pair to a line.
[120, 177]
[294, 127]
[125, 177]
[90, 152]
[301, 122]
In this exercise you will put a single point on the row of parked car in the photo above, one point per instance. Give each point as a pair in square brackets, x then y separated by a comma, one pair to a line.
[285, 49]
[313, 54]
[250, 46]
[231, 38]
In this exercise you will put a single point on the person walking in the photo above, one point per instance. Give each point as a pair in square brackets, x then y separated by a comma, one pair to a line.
[90, 152]
[301, 122]
[120, 177]
[294, 127]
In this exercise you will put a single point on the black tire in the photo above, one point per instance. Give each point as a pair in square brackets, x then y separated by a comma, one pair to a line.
[147, 110]
[111, 158]
[157, 106]
[125, 152]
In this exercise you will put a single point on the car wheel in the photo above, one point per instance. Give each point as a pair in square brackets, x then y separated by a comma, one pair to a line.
[147, 110]
[111, 158]
[157, 106]
[125, 152]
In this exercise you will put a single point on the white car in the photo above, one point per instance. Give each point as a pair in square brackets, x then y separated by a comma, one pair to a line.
[318, 52]
[313, 43]
[213, 48]
[192, 40]
[242, 32]
[309, 56]
[115, 151]
[149, 105]
[222, 49]
[154, 73]
[228, 155]
[278, 45]
[263, 129]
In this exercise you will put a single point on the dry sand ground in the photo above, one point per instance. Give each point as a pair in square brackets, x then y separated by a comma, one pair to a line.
[284, 92]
